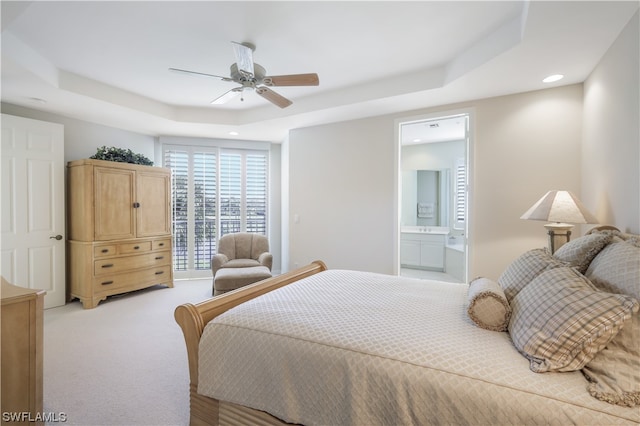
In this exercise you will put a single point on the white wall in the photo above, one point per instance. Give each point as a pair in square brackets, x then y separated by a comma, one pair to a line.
[343, 181]
[524, 146]
[432, 156]
[284, 205]
[611, 146]
[82, 139]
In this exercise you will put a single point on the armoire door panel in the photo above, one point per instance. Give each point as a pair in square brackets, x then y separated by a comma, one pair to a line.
[114, 212]
[153, 213]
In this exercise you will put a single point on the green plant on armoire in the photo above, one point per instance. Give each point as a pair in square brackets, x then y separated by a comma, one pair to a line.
[121, 155]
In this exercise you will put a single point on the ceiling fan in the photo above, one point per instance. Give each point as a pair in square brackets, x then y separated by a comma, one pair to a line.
[250, 75]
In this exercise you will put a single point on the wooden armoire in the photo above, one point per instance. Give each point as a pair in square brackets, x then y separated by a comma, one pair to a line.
[119, 229]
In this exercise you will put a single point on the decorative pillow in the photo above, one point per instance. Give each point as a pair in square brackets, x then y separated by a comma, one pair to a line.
[617, 268]
[614, 373]
[524, 269]
[615, 233]
[560, 320]
[580, 252]
[488, 307]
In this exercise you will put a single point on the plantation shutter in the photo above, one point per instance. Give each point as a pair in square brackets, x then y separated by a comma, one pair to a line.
[215, 191]
[178, 161]
[256, 193]
[230, 193]
[204, 208]
[460, 194]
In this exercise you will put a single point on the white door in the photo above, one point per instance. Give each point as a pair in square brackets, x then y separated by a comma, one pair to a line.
[32, 206]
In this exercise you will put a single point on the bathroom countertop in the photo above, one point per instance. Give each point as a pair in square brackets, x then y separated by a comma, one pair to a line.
[441, 230]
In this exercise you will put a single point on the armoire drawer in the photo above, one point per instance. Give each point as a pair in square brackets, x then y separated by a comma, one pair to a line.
[162, 244]
[122, 264]
[103, 251]
[136, 279]
[137, 247]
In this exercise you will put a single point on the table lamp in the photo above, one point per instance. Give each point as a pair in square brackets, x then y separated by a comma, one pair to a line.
[562, 208]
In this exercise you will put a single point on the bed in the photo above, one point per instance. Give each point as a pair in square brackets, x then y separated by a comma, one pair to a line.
[320, 346]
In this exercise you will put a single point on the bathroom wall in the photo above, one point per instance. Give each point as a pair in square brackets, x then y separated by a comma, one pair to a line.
[427, 156]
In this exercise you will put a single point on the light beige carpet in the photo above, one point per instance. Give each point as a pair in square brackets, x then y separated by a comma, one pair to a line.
[122, 363]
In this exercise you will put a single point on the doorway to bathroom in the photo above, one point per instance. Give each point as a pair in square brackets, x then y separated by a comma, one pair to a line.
[433, 182]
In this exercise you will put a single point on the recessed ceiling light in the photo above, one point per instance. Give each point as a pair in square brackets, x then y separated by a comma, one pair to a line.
[234, 133]
[38, 100]
[416, 140]
[552, 78]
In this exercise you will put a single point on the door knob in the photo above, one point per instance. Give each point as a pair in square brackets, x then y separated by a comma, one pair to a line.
[57, 237]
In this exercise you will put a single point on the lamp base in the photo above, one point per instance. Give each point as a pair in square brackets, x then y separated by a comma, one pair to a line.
[559, 234]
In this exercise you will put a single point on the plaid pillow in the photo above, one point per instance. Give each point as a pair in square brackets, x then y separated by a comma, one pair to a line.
[614, 373]
[560, 320]
[524, 269]
[580, 252]
[617, 268]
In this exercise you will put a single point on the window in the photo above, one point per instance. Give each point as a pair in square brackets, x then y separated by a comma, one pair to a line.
[460, 195]
[215, 191]
[230, 193]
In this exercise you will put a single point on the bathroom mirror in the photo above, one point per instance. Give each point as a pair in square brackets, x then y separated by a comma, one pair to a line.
[426, 197]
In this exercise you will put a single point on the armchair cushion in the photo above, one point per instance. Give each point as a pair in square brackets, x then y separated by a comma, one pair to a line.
[241, 263]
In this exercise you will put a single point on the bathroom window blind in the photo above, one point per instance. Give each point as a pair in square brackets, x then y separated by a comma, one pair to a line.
[460, 197]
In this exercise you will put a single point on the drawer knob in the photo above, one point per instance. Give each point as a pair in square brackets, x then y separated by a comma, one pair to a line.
[161, 244]
[105, 250]
[159, 272]
[108, 265]
[136, 248]
[159, 257]
[107, 282]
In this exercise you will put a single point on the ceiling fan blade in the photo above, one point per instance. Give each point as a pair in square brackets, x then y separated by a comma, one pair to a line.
[198, 74]
[244, 57]
[310, 79]
[227, 96]
[273, 97]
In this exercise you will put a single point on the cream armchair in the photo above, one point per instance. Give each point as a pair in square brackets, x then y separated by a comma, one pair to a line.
[242, 259]
[242, 250]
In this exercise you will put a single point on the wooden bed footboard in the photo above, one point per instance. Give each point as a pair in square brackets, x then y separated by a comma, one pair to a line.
[193, 318]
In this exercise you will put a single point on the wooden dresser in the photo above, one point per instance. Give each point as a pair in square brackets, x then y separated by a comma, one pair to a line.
[22, 336]
[119, 227]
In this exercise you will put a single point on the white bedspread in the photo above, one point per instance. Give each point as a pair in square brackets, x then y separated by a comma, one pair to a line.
[346, 347]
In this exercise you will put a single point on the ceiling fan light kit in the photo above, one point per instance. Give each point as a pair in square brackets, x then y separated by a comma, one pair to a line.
[250, 75]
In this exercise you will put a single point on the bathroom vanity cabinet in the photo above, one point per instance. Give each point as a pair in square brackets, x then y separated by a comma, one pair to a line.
[422, 250]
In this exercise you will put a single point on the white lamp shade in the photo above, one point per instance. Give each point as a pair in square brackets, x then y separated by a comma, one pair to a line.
[560, 206]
